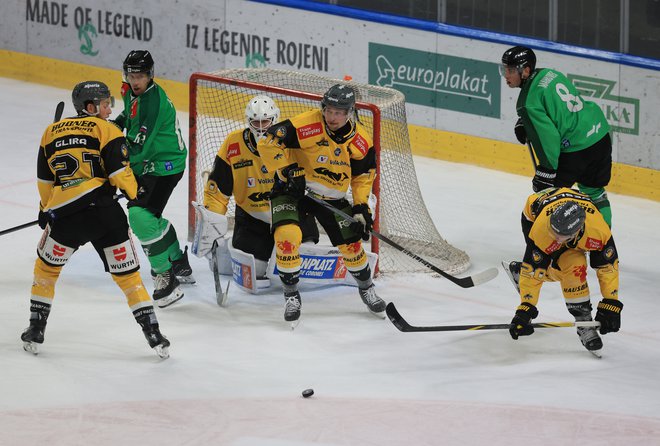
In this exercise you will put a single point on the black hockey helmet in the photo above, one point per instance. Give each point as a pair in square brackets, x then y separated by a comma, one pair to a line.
[139, 61]
[90, 92]
[519, 57]
[340, 96]
[568, 218]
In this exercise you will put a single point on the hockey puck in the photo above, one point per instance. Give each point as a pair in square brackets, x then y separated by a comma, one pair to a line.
[307, 393]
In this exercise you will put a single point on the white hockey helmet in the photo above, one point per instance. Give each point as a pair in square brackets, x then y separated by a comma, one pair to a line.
[261, 113]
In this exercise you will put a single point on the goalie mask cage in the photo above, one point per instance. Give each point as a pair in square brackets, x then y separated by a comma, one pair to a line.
[217, 107]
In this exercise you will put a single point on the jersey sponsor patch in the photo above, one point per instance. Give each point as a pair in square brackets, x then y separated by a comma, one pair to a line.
[242, 274]
[233, 150]
[251, 182]
[310, 130]
[322, 159]
[52, 252]
[555, 245]
[321, 267]
[361, 144]
[593, 243]
[121, 258]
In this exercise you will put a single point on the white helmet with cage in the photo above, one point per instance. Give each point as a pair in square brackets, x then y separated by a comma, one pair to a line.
[261, 113]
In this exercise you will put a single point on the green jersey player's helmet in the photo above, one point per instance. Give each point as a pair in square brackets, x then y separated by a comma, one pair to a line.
[90, 92]
[138, 61]
[518, 57]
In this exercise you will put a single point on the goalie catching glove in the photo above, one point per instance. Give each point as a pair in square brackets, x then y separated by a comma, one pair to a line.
[521, 324]
[210, 227]
[364, 222]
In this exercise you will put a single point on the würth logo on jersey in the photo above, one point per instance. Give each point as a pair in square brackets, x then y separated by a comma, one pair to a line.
[310, 130]
[233, 150]
[119, 253]
[361, 144]
[59, 251]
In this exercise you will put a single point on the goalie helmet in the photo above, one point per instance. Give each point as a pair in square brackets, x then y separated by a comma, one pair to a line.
[261, 108]
[519, 57]
[339, 96]
[89, 92]
[139, 61]
[568, 218]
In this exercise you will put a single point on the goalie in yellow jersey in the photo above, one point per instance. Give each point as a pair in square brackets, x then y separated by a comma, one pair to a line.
[81, 162]
[324, 150]
[560, 226]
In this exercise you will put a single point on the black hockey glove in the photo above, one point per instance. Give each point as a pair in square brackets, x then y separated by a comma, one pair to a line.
[609, 315]
[45, 217]
[520, 132]
[364, 223]
[140, 196]
[290, 181]
[543, 178]
[521, 324]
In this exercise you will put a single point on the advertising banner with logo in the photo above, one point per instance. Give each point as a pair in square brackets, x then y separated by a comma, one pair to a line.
[451, 83]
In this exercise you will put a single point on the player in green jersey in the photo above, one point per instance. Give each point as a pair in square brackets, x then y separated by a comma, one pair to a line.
[570, 135]
[158, 158]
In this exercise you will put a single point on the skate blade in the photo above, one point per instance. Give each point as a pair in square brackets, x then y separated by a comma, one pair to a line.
[162, 352]
[294, 324]
[508, 272]
[31, 347]
[165, 302]
[596, 353]
[378, 314]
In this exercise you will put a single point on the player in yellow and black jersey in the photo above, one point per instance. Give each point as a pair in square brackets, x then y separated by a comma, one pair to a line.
[560, 226]
[82, 160]
[239, 171]
[327, 151]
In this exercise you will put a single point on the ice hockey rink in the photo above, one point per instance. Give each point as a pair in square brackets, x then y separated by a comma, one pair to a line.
[236, 374]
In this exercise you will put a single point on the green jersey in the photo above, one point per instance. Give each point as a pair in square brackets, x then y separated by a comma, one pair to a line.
[155, 145]
[556, 118]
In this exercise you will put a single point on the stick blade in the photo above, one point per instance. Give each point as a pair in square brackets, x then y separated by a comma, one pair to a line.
[484, 276]
[59, 109]
[397, 320]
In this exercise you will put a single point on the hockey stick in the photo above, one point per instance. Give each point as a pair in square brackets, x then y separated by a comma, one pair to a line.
[465, 282]
[400, 323]
[531, 154]
[220, 296]
[59, 109]
[32, 223]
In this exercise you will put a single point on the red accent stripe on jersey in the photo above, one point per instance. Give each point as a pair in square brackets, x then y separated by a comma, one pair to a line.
[361, 144]
[310, 130]
[134, 109]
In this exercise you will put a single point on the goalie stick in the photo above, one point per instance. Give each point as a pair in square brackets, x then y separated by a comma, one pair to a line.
[220, 296]
[403, 325]
[465, 282]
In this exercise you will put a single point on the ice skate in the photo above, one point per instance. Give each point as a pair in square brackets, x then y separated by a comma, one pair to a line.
[182, 269]
[166, 289]
[591, 340]
[512, 270]
[157, 341]
[32, 337]
[375, 304]
[292, 305]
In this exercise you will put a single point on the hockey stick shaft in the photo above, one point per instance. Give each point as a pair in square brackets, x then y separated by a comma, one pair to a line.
[59, 109]
[531, 154]
[403, 325]
[465, 282]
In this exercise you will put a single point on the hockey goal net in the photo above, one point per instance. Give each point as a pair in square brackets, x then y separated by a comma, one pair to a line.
[217, 107]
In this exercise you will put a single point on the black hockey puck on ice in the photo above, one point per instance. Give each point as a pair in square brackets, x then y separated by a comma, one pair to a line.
[307, 393]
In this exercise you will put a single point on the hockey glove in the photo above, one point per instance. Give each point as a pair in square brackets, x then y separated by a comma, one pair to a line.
[521, 324]
[290, 181]
[45, 217]
[209, 227]
[543, 179]
[520, 132]
[364, 222]
[609, 315]
[140, 196]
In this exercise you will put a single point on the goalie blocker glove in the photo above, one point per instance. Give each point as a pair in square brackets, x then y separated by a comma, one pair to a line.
[609, 315]
[543, 178]
[364, 222]
[521, 324]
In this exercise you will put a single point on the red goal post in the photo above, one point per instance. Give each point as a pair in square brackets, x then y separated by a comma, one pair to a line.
[217, 107]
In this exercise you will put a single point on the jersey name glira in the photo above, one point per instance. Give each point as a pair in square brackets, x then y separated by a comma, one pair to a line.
[239, 171]
[78, 156]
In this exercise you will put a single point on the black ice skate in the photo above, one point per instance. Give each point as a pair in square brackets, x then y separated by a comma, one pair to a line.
[375, 304]
[588, 335]
[182, 269]
[292, 305]
[166, 289]
[512, 270]
[157, 341]
[32, 337]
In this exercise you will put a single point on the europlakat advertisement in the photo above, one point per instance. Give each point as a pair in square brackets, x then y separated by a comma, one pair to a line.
[451, 83]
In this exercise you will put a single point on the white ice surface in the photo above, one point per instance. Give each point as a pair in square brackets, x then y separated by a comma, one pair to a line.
[236, 374]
